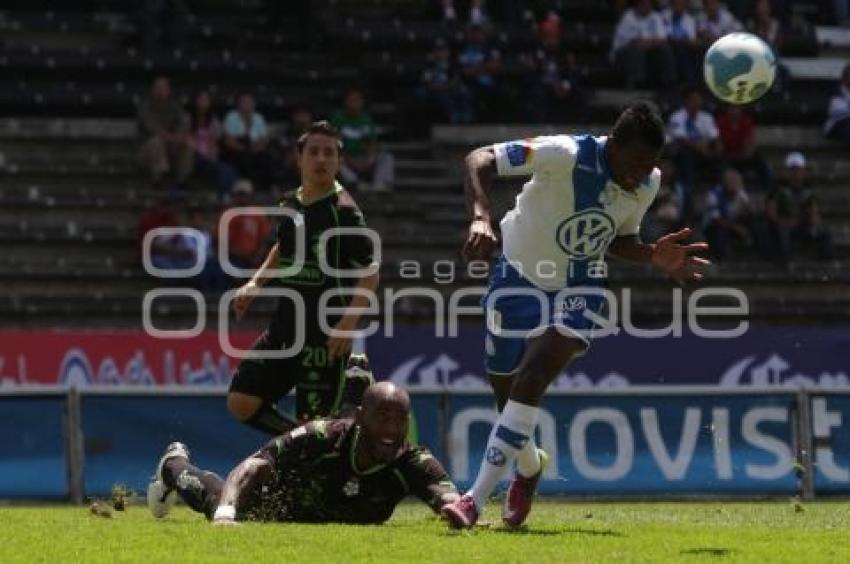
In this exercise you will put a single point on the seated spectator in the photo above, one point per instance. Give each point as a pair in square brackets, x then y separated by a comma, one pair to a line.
[553, 75]
[682, 34]
[738, 143]
[640, 48]
[204, 136]
[365, 165]
[715, 21]
[764, 25]
[728, 215]
[441, 89]
[696, 144]
[287, 174]
[837, 124]
[247, 233]
[167, 251]
[165, 141]
[212, 279]
[793, 215]
[665, 214]
[246, 138]
[480, 64]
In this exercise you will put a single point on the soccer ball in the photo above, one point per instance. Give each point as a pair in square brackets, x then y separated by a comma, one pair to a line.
[739, 68]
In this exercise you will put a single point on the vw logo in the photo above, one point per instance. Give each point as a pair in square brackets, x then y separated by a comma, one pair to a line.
[585, 234]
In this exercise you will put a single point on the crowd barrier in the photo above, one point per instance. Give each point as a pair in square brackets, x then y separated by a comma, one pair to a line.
[58, 443]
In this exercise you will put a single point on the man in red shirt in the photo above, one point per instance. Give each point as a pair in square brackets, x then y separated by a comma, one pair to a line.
[738, 143]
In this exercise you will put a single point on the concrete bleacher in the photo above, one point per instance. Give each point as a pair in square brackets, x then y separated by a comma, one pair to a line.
[71, 192]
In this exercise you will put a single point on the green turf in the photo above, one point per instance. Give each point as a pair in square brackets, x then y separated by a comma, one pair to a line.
[557, 532]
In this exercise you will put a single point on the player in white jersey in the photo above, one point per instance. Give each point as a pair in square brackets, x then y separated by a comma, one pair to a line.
[585, 199]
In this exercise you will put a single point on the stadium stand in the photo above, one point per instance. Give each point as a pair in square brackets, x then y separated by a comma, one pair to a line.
[72, 191]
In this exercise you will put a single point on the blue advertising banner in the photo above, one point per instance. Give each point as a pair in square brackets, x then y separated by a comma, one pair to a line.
[427, 424]
[32, 449]
[831, 438]
[762, 356]
[616, 443]
[124, 436]
[621, 445]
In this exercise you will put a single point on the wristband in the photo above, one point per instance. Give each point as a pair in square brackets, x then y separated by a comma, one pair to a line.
[225, 512]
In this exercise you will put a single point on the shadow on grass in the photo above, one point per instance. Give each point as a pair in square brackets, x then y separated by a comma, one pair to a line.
[555, 533]
[707, 551]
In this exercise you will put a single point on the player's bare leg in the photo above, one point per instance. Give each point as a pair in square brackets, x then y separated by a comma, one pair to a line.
[258, 413]
[545, 357]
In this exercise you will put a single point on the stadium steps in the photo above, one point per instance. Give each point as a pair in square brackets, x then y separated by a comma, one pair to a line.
[129, 306]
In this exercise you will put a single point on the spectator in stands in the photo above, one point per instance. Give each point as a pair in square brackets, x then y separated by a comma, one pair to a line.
[682, 34]
[696, 144]
[837, 124]
[366, 166]
[212, 279]
[769, 29]
[247, 233]
[204, 136]
[169, 251]
[640, 48]
[737, 130]
[715, 21]
[552, 75]
[480, 64]
[793, 215]
[286, 152]
[765, 25]
[441, 89]
[165, 140]
[728, 214]
[245, 144]
[665, 214]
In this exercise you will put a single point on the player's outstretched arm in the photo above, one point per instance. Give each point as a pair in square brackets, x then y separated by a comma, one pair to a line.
[339, 343]
[478, 178]
[244, 479]
[667, 254]
[429, 481]
[245, 294]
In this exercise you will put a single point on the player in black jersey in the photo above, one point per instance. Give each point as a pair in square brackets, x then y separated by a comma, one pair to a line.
[351, 470]
[313, 259]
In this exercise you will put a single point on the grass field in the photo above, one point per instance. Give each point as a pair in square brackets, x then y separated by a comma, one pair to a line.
[557, 532]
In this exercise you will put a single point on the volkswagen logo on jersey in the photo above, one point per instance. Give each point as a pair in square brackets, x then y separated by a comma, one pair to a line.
[351, 487]
[586, 234]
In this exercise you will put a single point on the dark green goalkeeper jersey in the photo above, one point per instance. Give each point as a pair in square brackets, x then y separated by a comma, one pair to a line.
[316, 478]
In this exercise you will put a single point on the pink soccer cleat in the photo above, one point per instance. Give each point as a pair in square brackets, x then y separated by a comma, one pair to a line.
[461, 514]
[521, 494]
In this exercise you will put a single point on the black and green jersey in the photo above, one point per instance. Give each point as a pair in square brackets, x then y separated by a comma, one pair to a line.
[341, 252]
[316, 478]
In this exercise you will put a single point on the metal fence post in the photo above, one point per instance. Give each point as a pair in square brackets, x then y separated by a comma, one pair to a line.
[74, 446]
[803, 429]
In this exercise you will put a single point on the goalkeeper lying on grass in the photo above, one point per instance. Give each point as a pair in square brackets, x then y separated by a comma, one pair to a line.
[343, 470]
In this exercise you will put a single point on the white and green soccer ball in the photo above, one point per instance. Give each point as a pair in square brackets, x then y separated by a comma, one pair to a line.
[739, 68]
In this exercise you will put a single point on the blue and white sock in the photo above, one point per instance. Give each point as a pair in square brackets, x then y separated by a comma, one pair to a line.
[512, 432]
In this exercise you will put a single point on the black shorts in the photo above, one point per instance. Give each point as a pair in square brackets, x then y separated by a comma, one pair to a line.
[317, 380]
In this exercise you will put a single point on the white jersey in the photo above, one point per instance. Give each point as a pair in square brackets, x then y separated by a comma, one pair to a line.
[570, 210]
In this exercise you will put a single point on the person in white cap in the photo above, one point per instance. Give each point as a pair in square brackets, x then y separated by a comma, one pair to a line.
[793, 215]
